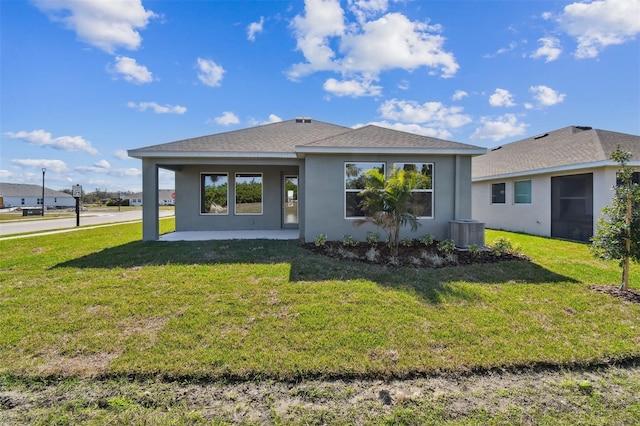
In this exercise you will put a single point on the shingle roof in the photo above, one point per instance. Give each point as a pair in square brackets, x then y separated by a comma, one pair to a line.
[381, 138]
[279, 137]
[26, 190]
[570, 146]
[303, 136]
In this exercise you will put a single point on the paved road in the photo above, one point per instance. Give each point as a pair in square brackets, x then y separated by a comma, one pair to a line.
[86, 218]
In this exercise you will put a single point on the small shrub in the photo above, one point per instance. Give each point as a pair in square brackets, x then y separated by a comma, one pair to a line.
[415, 261]
[321, 240]
[349, 241]
[346, 254]
[475, 250]
[373, 238]
[393, 261]
[433, 259]
[503, 246]
[426, 239]
[372, 254]
[447, 246]
[451, 259]
[406, 242]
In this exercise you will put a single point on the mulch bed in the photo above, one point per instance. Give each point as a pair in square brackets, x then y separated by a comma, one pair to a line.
[629, 295]
[407, 255]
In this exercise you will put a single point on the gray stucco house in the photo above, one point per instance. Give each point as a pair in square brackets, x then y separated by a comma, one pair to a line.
[554, 184]
[301, 174]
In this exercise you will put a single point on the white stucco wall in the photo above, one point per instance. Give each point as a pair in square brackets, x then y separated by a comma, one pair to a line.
[535, 218]
[49, 201]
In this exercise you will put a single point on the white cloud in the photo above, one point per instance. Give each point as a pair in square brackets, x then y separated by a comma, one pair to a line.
[323, 19]
[5, 174]
[255, 28]
[51, 165]
[550, 49]
[361, 50]
[63, 143]
[272, 119]
[499, 128]
[104, 164]
[103, 24]
[546, 96]
[459, 95]
[501, 98]
[227, 118]
[599, 24]
[158, 109]
[99, 168]
[351, 88]
[121, 154]
[437, 115]
[394, 41]
[210, 73]
[364, 9]
[131, 71]
[502, 50]
[414, 128]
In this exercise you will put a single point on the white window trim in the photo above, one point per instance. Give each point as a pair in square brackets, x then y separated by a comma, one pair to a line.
[491, 202]
[202, 190]
[235, 193]
[530, 192]
[344, 185]
[433, 184]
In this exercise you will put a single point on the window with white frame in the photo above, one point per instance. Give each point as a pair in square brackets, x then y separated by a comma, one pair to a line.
[421, 201]
[522, 192]
[248, 193]
[498, 191]
[214, 193]
[354, 183]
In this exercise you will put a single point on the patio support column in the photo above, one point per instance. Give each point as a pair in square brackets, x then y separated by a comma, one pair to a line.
[462, 187]
[301, 198]
[150, 209]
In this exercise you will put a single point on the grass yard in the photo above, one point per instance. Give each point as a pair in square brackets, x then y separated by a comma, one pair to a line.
[99, 304]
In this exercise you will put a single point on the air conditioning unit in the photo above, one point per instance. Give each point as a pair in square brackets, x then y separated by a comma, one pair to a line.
[465, 232]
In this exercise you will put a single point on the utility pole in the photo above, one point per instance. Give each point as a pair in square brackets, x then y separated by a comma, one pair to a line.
[43, 171]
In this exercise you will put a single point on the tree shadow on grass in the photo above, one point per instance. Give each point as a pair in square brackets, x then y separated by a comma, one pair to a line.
[431, 284]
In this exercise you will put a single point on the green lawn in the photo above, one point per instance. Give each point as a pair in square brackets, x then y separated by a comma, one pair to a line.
[99, 302]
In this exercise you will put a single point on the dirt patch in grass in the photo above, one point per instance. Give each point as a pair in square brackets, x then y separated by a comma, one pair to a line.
[628, 295]
[414, 254]
[604, 395]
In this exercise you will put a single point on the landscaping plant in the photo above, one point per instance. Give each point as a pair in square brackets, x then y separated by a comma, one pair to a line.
[386, 202]
[618, 229]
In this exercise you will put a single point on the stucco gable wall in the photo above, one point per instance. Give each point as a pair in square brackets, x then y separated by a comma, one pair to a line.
[325, 196]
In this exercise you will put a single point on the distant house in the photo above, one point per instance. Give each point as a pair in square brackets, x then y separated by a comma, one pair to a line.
[24, 195]
[554, 184]
[302, 174]
[166, 197]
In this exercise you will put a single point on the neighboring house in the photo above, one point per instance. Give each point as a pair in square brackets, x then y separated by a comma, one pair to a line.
[302, 174]
[554, 184]
[166, 197]
[24, 195]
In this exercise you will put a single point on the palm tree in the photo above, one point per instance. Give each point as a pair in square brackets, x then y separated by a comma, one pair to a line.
[386, 202]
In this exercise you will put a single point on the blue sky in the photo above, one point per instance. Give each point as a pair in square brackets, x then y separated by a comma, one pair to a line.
[83, 81]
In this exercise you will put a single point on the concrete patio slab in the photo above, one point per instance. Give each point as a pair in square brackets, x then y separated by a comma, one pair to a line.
[278, 234]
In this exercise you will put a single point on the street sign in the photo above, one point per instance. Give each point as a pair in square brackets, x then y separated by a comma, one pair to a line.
[76, 191]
